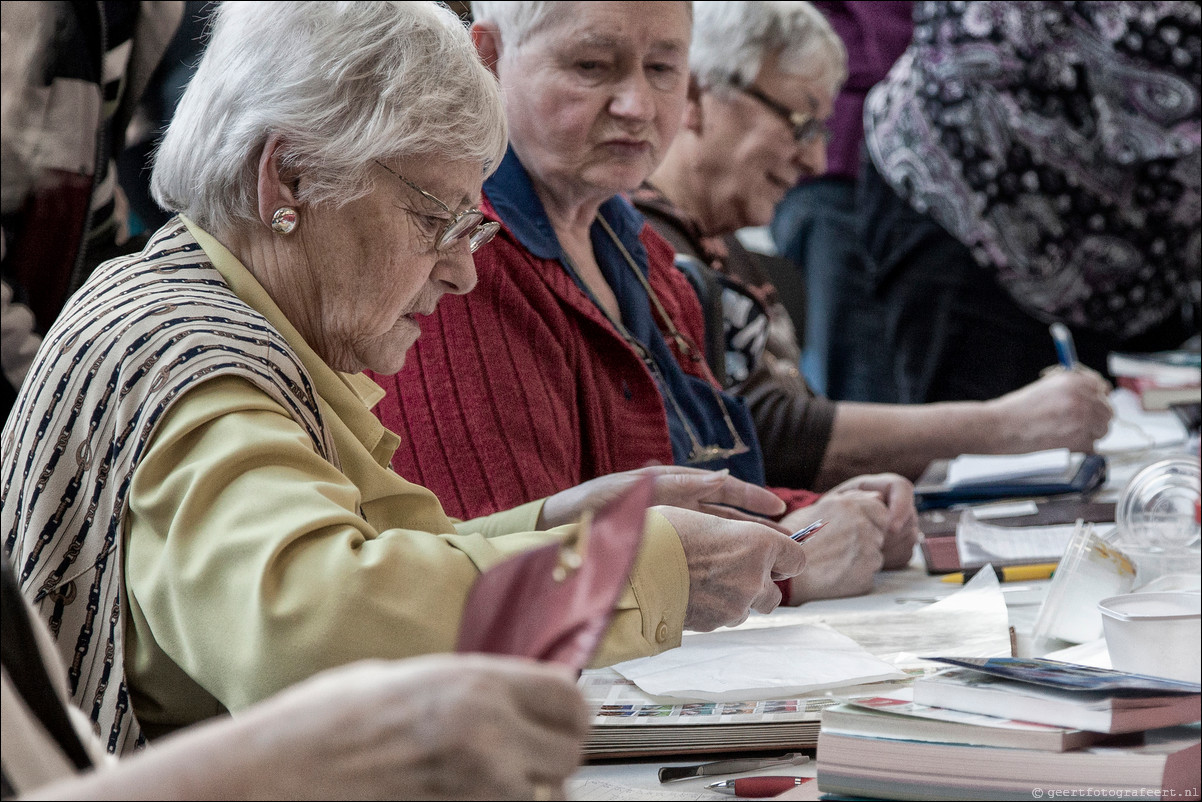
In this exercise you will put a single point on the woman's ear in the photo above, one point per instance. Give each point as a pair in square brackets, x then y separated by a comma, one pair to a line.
[276, 186]
[486, 36]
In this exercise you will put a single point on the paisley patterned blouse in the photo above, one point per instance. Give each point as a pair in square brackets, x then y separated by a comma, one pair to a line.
[1060, 142]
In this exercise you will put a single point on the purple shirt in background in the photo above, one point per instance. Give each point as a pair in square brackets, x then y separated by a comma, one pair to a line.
[875, 35]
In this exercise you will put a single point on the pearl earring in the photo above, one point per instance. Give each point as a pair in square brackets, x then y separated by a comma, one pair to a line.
[284, 220]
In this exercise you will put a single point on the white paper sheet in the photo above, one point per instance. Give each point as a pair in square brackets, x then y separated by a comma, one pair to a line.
[972, 622]
[1133, 429]
[751, 665]
[1091, 653]
[979, 543]
[971, 469]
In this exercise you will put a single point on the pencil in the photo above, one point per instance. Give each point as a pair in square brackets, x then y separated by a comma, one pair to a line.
[1006, 573]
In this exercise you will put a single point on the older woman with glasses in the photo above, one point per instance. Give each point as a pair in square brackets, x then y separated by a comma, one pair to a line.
[738, 152]
[197, 498]
[580, 351]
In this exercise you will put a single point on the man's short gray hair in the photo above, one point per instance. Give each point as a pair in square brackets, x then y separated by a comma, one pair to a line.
[342, 83]
[732, 40]
[517, 19]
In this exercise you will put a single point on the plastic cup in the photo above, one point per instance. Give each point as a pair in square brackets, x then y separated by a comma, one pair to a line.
[1090, 570]
[1155, 633]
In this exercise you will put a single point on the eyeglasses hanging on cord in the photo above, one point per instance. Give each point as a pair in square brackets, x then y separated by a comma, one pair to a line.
[698, 454]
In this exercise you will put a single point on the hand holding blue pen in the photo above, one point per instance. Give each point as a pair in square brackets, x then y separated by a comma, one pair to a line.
[1066, 349]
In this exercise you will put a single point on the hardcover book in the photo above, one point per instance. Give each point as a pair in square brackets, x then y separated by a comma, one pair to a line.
[630, 723]
[1160, 764]
[1168, 367]
[1062, 695]
[1155, 395]
[898, 718]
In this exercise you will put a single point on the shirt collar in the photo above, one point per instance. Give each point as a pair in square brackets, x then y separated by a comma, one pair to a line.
[517, 205]
[350, 396]
[650, 200]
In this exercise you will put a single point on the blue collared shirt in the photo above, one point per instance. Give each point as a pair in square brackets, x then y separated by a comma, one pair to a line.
[513, 197]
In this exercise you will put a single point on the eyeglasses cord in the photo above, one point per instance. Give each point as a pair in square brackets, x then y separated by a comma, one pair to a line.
[698, 453]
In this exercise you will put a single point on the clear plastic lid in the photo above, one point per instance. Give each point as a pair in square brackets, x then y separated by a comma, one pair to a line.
[1157, 509]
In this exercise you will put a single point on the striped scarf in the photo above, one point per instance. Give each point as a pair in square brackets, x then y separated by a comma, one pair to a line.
[142, 331]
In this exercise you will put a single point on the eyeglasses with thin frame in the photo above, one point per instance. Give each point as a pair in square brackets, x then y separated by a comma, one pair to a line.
[806, 127]
[462, 224]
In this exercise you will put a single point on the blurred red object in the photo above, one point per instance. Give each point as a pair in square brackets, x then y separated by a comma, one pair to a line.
[554, 603]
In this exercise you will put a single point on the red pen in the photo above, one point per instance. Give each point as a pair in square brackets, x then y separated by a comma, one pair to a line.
[752, 787]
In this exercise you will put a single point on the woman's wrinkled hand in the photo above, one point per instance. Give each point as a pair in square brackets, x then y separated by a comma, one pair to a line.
[901, 520]
[843, 557]
[714, 492]
[732, 565]
[434, 727]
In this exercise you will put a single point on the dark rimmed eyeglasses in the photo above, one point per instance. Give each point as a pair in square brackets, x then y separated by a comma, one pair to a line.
[806, 127]
[467, 223]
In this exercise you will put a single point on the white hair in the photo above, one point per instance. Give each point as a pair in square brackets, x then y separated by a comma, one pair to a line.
[732, 40]
[517, 19]
[342, 83]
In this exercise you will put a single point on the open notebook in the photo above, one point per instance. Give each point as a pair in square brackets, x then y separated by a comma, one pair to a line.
[939, 527]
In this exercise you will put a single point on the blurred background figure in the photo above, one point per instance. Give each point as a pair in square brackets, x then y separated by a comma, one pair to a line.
[63, 212]
[157, 107]
[763, 79]
[1032, 162]
[814, 226]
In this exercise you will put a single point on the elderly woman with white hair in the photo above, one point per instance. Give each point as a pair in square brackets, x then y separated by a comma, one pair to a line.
[584, 355]
[765, 76]
[197, 498]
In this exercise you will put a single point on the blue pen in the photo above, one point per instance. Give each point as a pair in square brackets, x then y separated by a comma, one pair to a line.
[805, 533]
[1066, 351]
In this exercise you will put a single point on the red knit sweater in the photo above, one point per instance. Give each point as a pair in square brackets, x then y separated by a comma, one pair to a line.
[522, 388]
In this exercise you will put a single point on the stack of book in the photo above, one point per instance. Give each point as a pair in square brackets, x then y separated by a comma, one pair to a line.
[1009, 728]
[629, 723]
[1160, 379]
